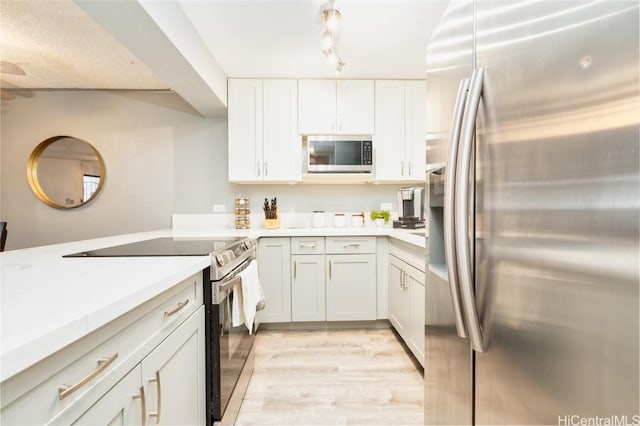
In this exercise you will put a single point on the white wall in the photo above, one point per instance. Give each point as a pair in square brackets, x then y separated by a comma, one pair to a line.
[161, 157]
[158, 153]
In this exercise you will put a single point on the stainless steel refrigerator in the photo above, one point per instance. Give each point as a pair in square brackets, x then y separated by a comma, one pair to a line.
[532, 292]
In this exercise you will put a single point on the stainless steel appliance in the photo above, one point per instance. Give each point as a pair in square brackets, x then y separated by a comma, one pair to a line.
[339, 154]
[532, 293]
[227, 348]
[410, 208]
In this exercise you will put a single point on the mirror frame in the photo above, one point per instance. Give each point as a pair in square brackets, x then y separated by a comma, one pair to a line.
[32, 172]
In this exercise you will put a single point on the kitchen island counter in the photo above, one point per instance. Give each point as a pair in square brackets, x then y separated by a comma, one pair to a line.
[49, 302]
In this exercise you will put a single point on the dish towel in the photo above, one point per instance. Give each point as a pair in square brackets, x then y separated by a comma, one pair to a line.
[237, 316]
[252, 294]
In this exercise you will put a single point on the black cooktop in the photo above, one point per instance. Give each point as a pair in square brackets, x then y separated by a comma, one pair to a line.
[162, 247]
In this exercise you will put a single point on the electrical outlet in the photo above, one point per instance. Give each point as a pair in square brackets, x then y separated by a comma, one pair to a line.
[219, 208]
[385, 206]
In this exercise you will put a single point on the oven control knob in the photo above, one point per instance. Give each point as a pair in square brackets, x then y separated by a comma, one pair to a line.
[224, 257]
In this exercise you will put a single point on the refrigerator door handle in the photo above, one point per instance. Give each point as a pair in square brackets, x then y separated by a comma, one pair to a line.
[449, 215]
[462, 210]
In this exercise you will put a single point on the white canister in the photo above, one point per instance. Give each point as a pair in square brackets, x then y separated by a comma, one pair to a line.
[357, 220]
[339, 220]
[317, 219]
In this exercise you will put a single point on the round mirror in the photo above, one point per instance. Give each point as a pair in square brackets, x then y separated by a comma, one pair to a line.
[65, 172]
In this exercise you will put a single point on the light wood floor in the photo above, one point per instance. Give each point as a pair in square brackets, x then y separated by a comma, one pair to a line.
[339, 377]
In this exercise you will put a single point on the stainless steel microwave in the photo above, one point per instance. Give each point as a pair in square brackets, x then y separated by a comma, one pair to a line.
[339, 154]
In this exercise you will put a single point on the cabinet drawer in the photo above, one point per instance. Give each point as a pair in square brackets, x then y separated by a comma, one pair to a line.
[307, 245]
[342, 245]
[93, 364]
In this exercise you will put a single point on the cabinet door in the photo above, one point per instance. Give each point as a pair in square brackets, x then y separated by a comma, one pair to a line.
[415, 282]
[282, 146]
[122, 405]
[351, 287]
[245, 130]
[398, 296]
[416, 129]
[275, 277]
[173, 376]
[355, 107]
[388, 141]
[308, 288]
[316, 107]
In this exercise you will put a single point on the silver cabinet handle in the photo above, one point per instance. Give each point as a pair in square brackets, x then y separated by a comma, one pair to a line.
[258, 168]
[143, 406]
[266, 170]
[295, 267]
[409, 167]
[449, 215]
[66, 390]
[157, 413]
[354, 245]
[462, 209]
[177, 309]
[301, 245]
[402, 168]
[329, 269]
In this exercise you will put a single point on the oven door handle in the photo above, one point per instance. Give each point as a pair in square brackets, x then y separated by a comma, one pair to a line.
[228, 285]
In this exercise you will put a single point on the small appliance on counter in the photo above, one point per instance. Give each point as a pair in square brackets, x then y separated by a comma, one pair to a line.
[410, 208]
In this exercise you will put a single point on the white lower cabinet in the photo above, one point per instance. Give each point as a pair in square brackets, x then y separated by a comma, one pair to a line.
[145, 367]
[415, 335]
[308, 287]
[173, 376]
[166, 388]
[351, 287]
[302, 283]
[274, 263]
[122, 405]
[406, 297]
[398, 296]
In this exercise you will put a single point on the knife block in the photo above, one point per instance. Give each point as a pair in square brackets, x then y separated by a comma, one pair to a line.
[273, 223]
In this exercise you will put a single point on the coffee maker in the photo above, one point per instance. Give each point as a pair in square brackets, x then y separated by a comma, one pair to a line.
[410, 208]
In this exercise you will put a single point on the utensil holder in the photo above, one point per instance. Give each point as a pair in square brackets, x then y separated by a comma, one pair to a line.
[273, 223]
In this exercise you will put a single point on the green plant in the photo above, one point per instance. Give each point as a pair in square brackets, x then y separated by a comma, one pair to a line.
[380, 214]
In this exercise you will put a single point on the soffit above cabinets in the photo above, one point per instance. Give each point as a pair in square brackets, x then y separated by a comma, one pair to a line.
[191, 47]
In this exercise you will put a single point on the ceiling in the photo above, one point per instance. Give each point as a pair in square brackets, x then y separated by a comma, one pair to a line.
[96, 44]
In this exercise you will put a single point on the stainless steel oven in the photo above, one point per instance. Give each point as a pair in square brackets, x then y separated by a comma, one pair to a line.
[228, 347]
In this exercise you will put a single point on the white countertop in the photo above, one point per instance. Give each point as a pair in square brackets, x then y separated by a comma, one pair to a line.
[49, 302]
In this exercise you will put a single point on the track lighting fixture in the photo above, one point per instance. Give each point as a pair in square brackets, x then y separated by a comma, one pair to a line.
[330, 18]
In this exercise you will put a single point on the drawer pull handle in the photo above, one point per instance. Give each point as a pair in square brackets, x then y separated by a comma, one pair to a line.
[295, 267]
[354, 245]
[177, 308]
[307, 245]
[143, 405]
[65, 390]
[156, 413]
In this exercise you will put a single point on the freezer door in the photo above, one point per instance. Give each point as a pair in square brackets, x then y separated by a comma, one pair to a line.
[557, 211]
[448, 365]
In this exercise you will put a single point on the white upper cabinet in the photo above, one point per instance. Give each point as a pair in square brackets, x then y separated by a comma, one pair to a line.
[400, 130]
[264, 145]
[245, 129]
[336, 107]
